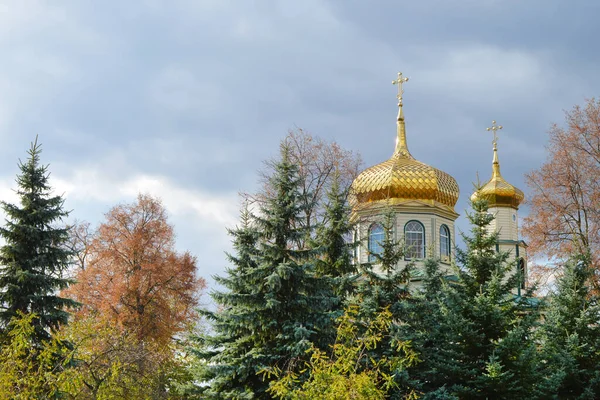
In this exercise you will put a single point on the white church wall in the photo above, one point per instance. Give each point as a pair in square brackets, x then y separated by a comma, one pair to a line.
[506, 222]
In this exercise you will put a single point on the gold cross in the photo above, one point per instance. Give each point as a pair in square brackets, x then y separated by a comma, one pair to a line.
[399, 82]
[494, 128]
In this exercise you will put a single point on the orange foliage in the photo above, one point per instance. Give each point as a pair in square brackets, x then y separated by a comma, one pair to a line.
[134, 276]
[565, 203]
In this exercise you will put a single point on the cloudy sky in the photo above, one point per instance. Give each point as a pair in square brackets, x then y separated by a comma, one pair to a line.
[183, 99]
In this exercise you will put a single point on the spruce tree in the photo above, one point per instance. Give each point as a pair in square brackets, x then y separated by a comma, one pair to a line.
[571, 336]
[474, 335]
[420, 325]
[231, 369]
[383, 285]
[333, 242]
[34, 258]
[276, 306]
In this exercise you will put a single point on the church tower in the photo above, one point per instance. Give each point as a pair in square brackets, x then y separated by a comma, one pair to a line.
[503, 202]
[421, 197]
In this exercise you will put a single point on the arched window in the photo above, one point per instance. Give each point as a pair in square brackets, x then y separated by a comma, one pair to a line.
[376, 237]
[414, 238]
[522, 272]
[444, 243]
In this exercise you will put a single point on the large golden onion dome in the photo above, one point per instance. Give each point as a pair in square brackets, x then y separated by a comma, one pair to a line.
[497, 191]
[403, 178]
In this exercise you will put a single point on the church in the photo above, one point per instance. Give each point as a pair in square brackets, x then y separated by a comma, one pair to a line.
[422, 199]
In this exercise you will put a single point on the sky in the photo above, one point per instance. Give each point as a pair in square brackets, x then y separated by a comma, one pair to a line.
[184, 99]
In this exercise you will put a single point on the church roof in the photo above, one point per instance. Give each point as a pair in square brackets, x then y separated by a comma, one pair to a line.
[497, 191]
[403, 177]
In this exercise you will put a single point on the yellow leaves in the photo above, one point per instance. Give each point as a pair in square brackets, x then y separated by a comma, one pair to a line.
[28, 371]
[349, 372]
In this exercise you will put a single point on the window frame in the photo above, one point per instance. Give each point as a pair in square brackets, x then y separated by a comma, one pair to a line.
[447, 242]
[372, 246]
[421, 254]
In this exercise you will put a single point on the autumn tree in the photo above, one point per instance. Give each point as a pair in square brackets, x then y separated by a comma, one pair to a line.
[33, 259]
[564, 218]
[81, 234]
[134, 275]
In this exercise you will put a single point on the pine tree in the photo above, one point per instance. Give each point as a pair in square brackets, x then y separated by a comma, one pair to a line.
[275, 307]
[34, 258]
[474, 334]
[571, 335]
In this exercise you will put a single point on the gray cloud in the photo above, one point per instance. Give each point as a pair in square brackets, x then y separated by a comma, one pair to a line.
[195, 94]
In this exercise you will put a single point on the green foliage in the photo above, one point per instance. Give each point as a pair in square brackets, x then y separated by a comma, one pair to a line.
[571, 335]
[30, 369]
[333, 246]
[472, 333]
[192, 347]
[349, 372]
[276, 306]
[334, 234]
[382, 284]
[34, 257]
[110, 363]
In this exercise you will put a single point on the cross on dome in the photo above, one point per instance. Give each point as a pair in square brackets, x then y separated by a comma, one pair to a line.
[494, 128]
[399, 82]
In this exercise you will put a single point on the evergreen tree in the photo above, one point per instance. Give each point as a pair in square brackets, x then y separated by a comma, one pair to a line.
[275, 307]
[571, 336]
[473, 334]
[420, 326]
[333, 241]
[34, 258]
[334, 375]
[231, 369]
[382, 285]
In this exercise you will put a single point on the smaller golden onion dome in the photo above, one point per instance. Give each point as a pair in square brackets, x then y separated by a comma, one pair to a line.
[497, 191]
[402, 177]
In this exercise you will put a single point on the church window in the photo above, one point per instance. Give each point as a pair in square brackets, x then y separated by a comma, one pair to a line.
[376, 237]
[444, 243]
[414, 238]
[354, 247]
[522, 272]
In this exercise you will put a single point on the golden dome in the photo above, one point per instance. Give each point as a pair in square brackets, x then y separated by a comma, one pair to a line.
[402, 177]
[497, 191]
